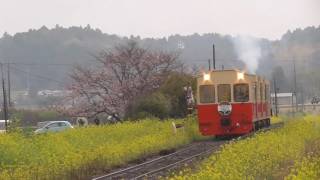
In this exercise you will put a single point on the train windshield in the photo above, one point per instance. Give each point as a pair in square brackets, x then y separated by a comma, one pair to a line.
[207, 94]
[241, 92]
[224, 93]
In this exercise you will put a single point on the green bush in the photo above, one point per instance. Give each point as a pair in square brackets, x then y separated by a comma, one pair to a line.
[15, 124]
[173, 88]
[49, 115]
[168, 101]
[154, 105]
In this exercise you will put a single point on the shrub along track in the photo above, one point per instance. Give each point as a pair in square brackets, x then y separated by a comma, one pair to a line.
[163, 165]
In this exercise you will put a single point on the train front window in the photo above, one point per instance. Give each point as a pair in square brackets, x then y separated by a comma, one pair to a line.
[224, 93]
[241, 92]
[207, 94]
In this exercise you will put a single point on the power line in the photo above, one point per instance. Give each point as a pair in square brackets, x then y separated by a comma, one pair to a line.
[38, 76]
[40, 64]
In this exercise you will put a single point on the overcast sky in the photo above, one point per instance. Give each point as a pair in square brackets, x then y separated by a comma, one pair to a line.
[157, 18]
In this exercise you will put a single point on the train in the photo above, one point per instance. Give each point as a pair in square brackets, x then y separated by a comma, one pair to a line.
[232, 102]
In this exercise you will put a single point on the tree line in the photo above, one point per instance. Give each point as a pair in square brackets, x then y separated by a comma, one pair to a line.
[55, 52]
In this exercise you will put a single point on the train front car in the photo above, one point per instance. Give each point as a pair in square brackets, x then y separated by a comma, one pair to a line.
[231, 102]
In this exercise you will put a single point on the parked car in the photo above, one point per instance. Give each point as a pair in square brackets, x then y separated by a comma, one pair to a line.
[54, 126]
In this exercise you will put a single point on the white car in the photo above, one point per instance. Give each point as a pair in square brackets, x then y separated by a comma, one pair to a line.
[54, 126]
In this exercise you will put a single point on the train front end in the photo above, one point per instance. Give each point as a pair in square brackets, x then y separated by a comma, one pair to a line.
[228, 104]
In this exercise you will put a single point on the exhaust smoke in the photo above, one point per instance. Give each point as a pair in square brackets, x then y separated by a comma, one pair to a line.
[248, 51]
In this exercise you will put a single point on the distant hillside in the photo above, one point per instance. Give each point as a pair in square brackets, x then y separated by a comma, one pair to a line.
[43, 58]
[51, 53]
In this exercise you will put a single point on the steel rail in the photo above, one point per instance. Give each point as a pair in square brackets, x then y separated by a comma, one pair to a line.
[145, 163]
[272, 126]
[176, 163]
[211, 149]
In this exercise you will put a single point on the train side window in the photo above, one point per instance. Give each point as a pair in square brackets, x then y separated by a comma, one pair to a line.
[207, 94]
[266, 93]
[241, 92]
[224, 92]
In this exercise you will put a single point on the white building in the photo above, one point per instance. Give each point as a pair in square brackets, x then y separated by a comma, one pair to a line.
[283, 98]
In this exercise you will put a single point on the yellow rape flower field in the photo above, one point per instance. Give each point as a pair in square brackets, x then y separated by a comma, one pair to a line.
[82, 152]
[292, 152]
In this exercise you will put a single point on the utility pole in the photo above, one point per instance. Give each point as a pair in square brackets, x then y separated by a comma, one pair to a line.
[209, 64]
[275, 96]
[292, 104]
[213, 57]
[5, 106]
[302, 99]
[295, 83]
[9, 87]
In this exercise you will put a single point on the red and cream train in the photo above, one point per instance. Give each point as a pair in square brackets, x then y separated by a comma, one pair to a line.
[231, 102]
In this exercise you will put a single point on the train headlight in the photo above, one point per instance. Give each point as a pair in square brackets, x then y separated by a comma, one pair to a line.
[240, 75]
[206, 76]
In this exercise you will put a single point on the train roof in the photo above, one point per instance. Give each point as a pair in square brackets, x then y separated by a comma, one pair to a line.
[224, 70]
[228, 75]
[232, 70]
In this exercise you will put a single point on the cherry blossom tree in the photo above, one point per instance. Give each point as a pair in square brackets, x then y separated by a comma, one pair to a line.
[122, 74]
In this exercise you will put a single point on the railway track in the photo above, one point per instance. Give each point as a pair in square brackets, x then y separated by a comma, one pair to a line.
[161, 165]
